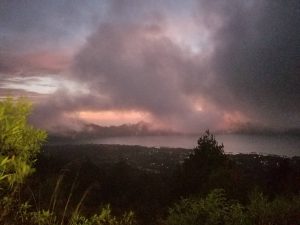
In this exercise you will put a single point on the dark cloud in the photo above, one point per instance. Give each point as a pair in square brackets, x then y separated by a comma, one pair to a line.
[134, 65]
[138, 67]
[132, 59]
[256, 58]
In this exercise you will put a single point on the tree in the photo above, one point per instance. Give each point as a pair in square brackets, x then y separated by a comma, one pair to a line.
[206, 168]
[209, 151]
[19, 145]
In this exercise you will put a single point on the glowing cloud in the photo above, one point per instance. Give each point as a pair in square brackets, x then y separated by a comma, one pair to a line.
[113, 117]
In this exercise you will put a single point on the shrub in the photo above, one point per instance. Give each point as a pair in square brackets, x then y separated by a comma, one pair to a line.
[19, 145]
[214, 209]
[105, 217]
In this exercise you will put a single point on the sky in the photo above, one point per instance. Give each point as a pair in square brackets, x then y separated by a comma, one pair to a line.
[180, 65]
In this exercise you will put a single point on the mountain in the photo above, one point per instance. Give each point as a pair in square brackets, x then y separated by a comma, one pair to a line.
[91, 131]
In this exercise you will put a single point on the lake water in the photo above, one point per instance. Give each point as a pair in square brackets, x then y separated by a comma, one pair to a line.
[233, 143]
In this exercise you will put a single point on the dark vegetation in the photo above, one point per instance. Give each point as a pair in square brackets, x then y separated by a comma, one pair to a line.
[149, 181]
[126, 185]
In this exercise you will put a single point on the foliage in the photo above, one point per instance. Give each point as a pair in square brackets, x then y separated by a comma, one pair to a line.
[132, 187]
[208, 155]
[208, 147]
[279, 211]
[206, 168]
[28, 216]
[104, 218]
[19, 142]
[19, 146]
[215, 209]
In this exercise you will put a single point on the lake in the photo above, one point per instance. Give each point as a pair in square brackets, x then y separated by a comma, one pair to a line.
[233, 143]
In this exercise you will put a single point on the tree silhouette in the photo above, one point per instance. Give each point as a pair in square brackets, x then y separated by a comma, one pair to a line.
[206, 168]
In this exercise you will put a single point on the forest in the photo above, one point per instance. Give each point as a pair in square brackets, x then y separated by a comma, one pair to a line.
[44, 184]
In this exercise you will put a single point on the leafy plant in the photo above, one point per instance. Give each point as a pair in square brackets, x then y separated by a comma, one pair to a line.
[105, 217]
[214, 209]
[19, 145]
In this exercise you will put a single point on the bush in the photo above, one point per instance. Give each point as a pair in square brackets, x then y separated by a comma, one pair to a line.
[279, 211]
[46, 217]
[19, 145]
[215, 209]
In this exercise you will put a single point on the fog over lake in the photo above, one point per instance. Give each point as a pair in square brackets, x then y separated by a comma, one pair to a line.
[233, 143]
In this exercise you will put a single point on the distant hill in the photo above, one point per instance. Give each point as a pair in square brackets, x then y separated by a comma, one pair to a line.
[254, 129]
[90, 131]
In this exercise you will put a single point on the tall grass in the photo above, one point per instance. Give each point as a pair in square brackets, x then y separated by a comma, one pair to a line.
[30, 215]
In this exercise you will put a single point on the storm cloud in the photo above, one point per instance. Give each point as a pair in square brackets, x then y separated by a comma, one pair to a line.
[188, 65]
[256, 59]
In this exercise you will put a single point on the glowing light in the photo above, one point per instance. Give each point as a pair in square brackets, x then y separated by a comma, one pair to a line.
[113, 117]
[198, 107]
[233, 118]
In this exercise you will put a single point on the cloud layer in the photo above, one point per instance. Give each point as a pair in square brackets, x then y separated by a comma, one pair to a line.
[187, 66]
[256, 58]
